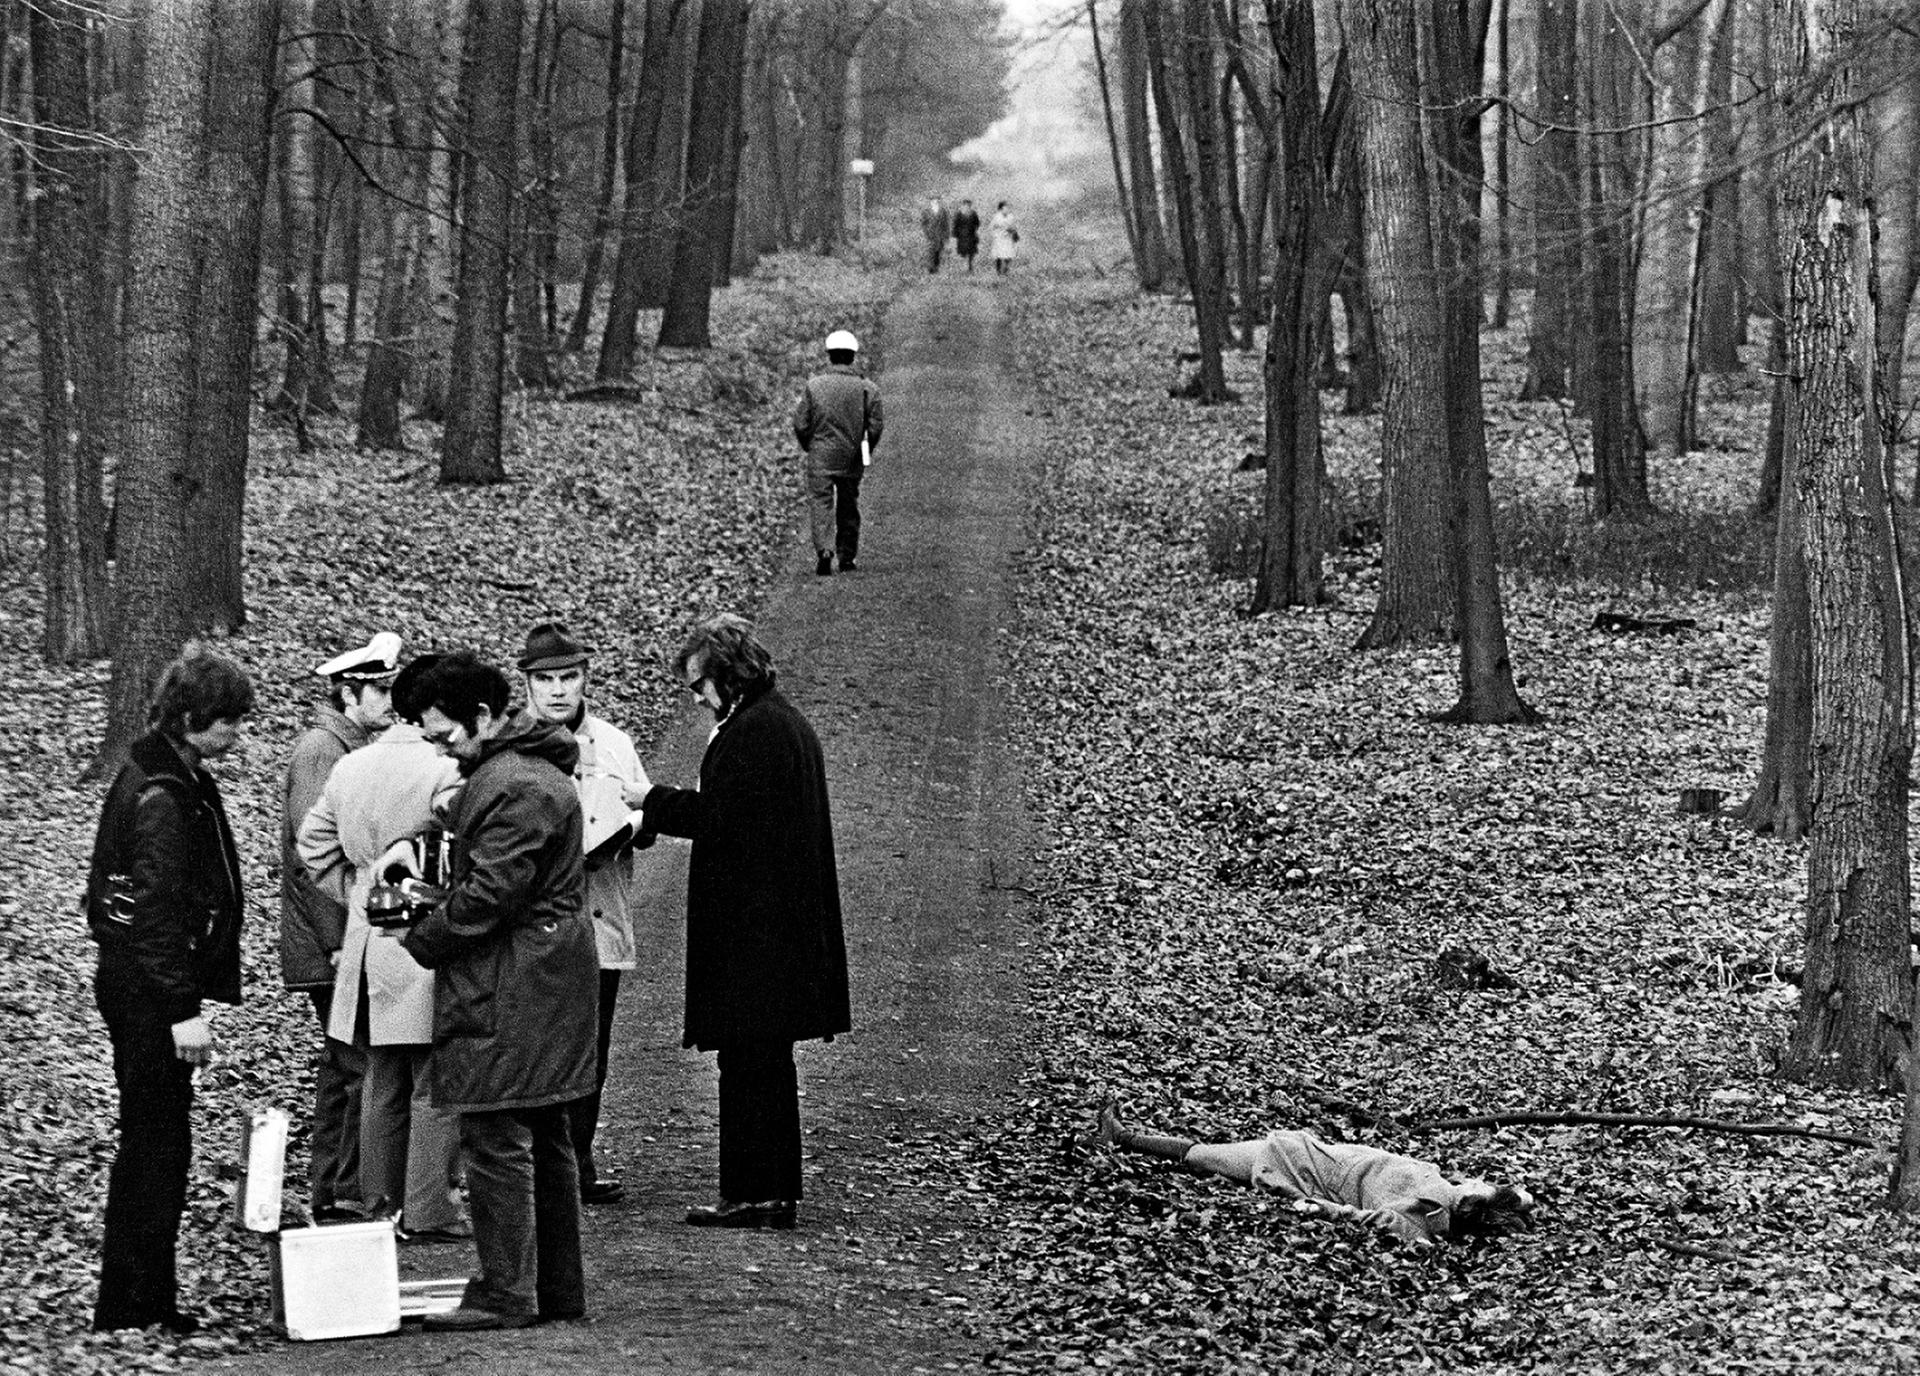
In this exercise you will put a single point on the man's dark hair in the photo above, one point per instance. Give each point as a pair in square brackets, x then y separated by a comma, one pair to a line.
[1506, 1210]
[406, 688]
[198, 689]
[839, 355]
[730, 656]
[460, 684]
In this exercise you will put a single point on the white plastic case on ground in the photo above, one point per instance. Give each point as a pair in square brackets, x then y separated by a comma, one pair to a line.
[340, 1281]
[263, 1164]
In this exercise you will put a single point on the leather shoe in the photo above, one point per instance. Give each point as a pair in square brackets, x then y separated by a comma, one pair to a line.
[766, 1213]
[603, 1192]
[847, 565]
[459, 1232]
[178, 1321]
[337, 1213]
[465, 1320]
[823, 565]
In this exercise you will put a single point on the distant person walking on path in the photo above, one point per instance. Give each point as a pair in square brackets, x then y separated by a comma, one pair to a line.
[766, 959]
[1002, 235]
[837, 422]
[390, 790]
[937, 228]
[966, 232]
[611, 782]
[164, 902]
[313, 923]
[516, 980]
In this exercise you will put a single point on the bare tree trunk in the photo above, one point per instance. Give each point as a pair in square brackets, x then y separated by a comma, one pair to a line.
[531, 363]
[1670, 229]
[1417, 574]
[231, 200]
[1203, 111]
[1781, 803]
[1856, 995]
[1453, 55]
[1895, 113]
[1502, 175]
[1557, 182]
[686, 321]
[154, 611]
[431, 296]
[1290, 573]
[1717, 328]
[1615, 94]
[396, 319]
[1127, 219]
[1189, 207]
[306, 385]
[603, 212]
[70, 308]
[470, 448]
[1134, 95]
[650, 189]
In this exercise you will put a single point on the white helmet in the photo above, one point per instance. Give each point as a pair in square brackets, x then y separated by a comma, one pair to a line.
[842, 339]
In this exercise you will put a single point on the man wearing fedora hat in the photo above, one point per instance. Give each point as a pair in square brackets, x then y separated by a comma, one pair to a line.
[313, 923]
[611, 782]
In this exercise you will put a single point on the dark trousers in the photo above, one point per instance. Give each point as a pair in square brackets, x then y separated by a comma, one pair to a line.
[833, 503]
[524, 1190]
[583, 1115]
[759, 1122]
[147, 1187]
[334, 1173]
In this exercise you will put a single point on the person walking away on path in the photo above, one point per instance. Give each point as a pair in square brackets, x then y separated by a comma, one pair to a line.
[516, 979]
[937, 227]
[610, 781]
[766, 958]
[164, 902]
[1002, 235]
[966, 232]
[1404, 1195]
[838, 422]
[313, 923]
[389, 791]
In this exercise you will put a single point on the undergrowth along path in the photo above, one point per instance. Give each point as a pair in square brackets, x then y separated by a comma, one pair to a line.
[895, 666]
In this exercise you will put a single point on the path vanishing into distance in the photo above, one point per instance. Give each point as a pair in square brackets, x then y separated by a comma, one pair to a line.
[894, 664]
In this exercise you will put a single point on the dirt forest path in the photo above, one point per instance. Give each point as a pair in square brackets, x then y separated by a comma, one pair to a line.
[894, 665]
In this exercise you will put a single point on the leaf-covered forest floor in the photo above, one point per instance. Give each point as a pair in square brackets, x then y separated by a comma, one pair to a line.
[1253, 843]
[1256, 843]
[627, 520]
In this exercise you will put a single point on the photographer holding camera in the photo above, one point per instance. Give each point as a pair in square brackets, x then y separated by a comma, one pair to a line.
[375, 801]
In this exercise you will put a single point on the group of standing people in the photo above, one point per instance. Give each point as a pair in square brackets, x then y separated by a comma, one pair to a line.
[962, 226]
[458, 906]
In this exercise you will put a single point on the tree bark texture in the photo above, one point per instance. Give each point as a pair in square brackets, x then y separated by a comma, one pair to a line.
[1557, 198]
[231, 201]
[73, 320]
[159, 483]
[1670, 224]
[1147, 218]
[306, 385]
[1305, 258]
[533, 225]
[1613, 100]
[1857, 990]
[1417, 576]
[1717, 322]
[1164, 43]
[404, 226]
[470, 449]
[609, 188]
[652, 185]
[686, 321]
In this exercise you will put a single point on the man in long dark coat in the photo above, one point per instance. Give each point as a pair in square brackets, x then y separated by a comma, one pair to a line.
[766, 959]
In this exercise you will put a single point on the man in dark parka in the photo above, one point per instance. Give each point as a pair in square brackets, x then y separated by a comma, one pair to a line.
[516, 992]
[766, 959]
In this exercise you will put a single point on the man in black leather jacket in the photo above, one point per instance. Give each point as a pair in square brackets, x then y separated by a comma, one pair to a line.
[164, 903]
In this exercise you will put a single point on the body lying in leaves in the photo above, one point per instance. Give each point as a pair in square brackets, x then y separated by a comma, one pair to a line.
[1408, 1197]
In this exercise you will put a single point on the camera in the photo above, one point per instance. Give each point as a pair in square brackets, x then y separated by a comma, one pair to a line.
[400, 900]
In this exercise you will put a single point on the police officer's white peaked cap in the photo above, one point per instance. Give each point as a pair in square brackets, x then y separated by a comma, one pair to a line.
[378, 658]
[843, 339]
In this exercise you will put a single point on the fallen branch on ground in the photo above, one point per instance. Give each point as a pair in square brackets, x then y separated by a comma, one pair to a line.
[1694, 1249]
[1640, 1120]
